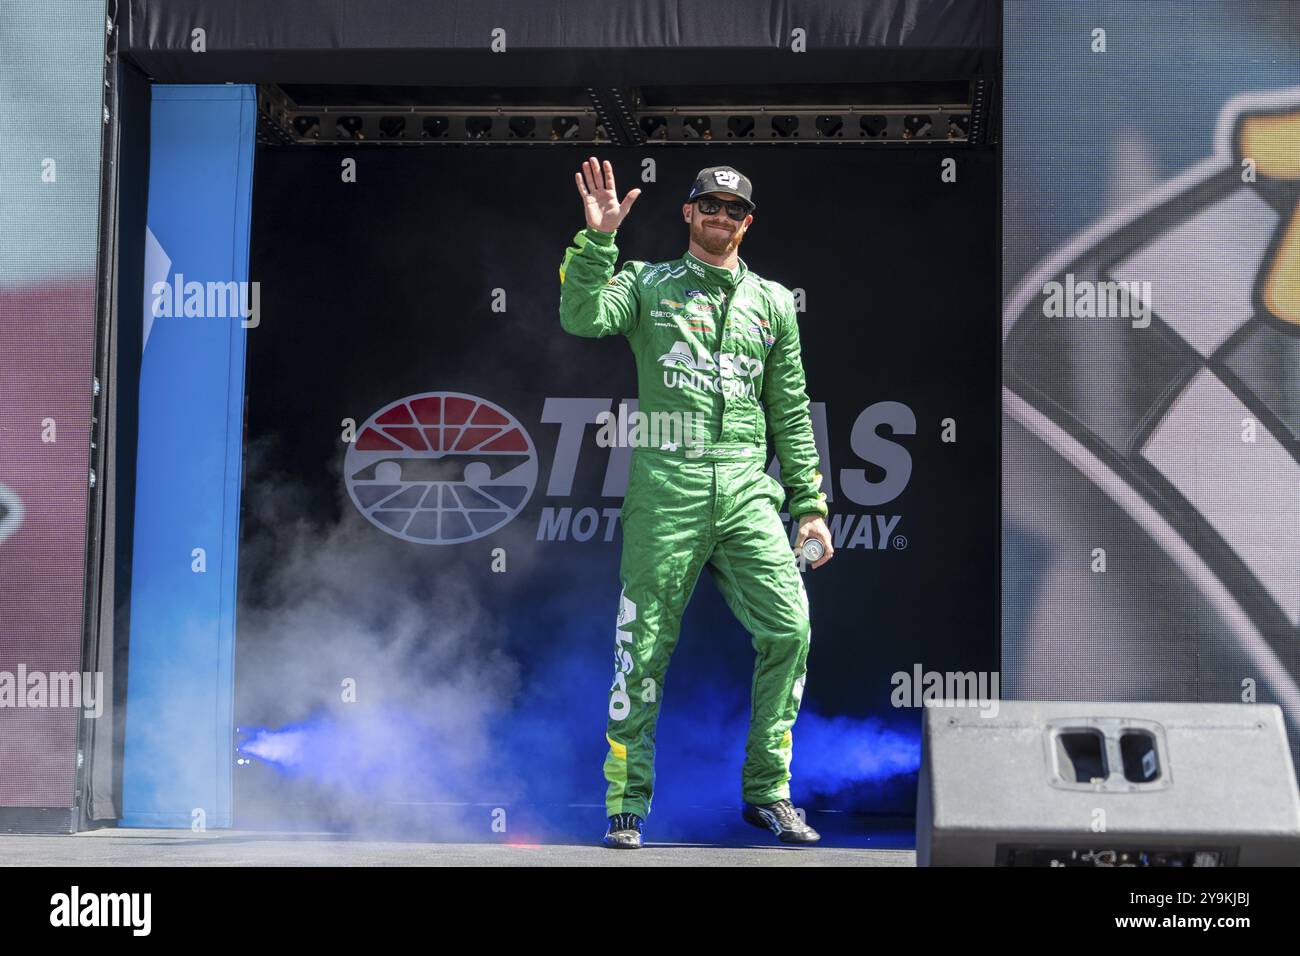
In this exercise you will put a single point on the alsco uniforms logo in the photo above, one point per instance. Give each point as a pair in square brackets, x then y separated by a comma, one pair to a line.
[724, 372]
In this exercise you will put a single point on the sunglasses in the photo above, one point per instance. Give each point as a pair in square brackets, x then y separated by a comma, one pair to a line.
[735, 210]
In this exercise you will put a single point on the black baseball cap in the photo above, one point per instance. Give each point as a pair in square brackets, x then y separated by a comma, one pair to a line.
[722, 179]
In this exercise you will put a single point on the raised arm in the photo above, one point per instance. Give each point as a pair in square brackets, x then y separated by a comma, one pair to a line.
[594, 301]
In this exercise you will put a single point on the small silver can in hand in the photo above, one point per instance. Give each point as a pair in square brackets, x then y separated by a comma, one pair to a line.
[812, 550]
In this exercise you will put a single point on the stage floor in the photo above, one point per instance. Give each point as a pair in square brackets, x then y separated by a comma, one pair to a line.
[138, 847]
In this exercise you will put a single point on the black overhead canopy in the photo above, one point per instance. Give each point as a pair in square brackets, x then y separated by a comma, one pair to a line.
[562, 43]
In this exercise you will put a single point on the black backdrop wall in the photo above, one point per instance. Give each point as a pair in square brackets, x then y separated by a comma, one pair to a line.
[436, 271]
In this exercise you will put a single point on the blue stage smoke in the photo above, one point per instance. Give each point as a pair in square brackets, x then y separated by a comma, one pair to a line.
[549, 746]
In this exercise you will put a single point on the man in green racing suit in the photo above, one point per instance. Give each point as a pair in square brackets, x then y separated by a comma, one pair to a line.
[718, 363]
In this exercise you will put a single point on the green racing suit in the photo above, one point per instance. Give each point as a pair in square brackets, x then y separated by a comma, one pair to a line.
[721, 352]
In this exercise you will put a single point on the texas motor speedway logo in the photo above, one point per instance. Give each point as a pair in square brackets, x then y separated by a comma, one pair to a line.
[449, 468]
[440, 468]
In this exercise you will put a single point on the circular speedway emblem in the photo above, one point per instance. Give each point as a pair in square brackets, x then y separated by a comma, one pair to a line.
[441, 468]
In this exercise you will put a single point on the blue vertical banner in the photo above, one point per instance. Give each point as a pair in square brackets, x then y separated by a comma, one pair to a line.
[197, 308]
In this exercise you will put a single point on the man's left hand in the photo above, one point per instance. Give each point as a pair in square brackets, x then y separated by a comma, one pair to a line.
[813, 526]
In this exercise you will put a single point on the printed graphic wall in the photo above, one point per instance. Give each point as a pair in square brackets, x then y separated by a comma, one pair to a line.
[51, 121]
[1151, 480]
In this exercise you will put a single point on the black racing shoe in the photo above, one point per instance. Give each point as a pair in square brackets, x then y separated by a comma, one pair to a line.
[624, 832]
[782, 819]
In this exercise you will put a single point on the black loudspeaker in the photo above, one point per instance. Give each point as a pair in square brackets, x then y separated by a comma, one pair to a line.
[1061, 783]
